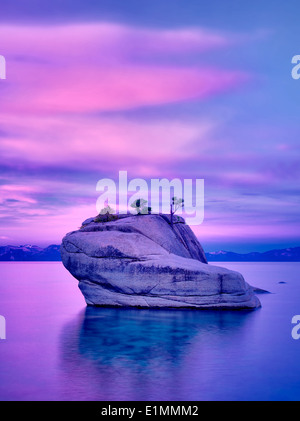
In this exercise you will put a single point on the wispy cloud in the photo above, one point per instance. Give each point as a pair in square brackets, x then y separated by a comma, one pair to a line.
[74, 110]
[88, 68]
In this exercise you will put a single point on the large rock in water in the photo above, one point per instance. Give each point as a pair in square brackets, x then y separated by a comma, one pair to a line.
[141, 261]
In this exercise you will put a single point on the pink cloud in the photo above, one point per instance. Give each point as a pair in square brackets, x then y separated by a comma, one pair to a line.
[84, 40]
[15, 192]
[94, 88]
[87, 68]
[238, 231]
[65, 141]
[41, 227]
[56, 75]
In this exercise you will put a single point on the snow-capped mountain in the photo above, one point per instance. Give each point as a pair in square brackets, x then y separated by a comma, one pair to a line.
[29, 253]
[278, 255]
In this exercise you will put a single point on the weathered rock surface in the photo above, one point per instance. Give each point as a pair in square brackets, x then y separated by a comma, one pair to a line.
[141, 261]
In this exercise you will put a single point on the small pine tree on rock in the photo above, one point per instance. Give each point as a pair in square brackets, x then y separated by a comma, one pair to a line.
[174, 206]
[140, 206]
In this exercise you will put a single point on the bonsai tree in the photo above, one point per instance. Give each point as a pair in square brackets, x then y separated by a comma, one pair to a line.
[140, 206]
[106, 214]
[174, 206]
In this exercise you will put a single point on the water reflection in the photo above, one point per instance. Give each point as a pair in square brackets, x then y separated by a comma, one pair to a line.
[146, 354]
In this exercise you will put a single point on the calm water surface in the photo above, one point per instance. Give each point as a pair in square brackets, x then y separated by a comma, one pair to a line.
[56, 348]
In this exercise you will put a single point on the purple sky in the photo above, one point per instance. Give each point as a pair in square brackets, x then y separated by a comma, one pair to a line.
[162, 91]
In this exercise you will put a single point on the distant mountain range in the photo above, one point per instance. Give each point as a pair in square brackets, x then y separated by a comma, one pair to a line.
[282, 255]
[29, 253]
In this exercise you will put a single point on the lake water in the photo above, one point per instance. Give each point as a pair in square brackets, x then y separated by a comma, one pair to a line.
[56, 348]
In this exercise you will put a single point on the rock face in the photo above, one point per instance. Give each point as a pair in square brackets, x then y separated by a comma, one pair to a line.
[140, 261]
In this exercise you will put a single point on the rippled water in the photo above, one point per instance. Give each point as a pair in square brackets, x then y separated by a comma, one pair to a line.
[56, 348]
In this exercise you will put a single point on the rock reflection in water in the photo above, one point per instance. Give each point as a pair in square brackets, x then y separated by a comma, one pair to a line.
[131, 354]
